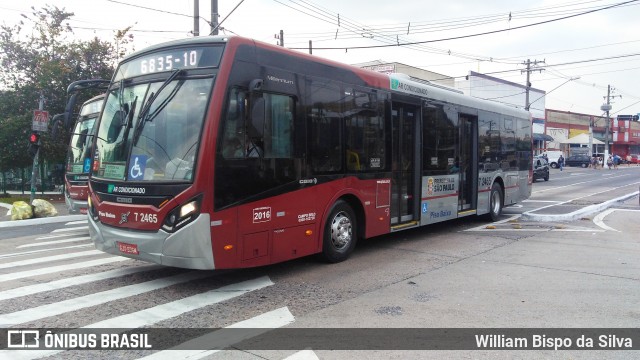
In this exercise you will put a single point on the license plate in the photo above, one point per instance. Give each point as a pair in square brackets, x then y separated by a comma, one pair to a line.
[83, 211]
[128, 248]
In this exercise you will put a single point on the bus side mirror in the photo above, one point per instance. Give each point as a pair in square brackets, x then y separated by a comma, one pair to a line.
[257, 115]
[255, 85]
[55, 124]
[68, 111]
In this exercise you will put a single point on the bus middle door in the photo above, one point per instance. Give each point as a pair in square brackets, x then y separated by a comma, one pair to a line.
[404, 195]
[467, 157]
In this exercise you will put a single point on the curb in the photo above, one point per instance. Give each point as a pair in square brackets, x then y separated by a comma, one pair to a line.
[528, 216]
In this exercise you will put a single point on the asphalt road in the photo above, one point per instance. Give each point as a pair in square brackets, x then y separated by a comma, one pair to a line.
[577, 271]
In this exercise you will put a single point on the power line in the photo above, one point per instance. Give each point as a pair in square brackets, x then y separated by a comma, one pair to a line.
[471, 35]
[157, 10]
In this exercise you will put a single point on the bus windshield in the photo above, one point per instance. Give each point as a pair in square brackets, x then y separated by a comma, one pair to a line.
[151, 131]
[80, 145]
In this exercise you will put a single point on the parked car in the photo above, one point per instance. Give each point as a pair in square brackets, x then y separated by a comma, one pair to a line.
[578, 160]
[540, 168]
[634, 159]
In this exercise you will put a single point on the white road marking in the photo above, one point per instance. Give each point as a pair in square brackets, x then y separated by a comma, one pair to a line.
[65, 306]
[54, 242]
[71, 229]
[258, 325]
[79, 222]
[72, 281]
[577, 183]
[60, 268]
[599, 219]
[303, 355]
[51, 258]
[179, 307]
[55, 236]
[156, 314]
[23, 253]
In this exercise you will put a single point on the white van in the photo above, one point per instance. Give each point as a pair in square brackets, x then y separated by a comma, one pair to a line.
[553, 156]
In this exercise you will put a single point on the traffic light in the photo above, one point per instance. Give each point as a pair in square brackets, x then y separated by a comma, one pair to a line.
[34, 143]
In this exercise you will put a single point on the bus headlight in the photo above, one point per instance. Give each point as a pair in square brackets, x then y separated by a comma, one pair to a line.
[182, 215]
[91, 211]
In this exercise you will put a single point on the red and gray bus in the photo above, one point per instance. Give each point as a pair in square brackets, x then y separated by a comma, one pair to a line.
[79, 157]
[225, 152]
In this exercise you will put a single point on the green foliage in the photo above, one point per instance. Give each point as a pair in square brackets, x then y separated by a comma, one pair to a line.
[14, 132]
[41, 55]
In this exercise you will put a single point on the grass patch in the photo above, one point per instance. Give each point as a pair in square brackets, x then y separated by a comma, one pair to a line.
[11, 199]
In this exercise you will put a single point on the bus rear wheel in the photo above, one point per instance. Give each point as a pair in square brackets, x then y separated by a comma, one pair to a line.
[495, 202]
[340, 233]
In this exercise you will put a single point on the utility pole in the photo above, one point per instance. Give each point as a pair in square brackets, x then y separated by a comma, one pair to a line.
[196, 18]
[214, 17]
[527, 105]
[607, 107]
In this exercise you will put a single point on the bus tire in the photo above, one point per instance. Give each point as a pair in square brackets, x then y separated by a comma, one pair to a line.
[495, 202]
[340, 233]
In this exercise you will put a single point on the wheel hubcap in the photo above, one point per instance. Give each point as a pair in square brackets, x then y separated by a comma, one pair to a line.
[495, 202]
[341, 231]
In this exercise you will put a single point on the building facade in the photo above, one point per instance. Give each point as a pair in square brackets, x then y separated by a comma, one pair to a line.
[562, 126]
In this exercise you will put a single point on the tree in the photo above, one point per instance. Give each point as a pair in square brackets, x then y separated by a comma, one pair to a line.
[38, 55]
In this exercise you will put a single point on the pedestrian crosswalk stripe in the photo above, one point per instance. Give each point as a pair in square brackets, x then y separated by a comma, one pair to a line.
[79, 222]
[55, 236]
[179, 307]
[30, 252]
[303, 355]
[82, 302]
[50, 258]
[72, 281]
[53, 242]
[256, 325]
[79, 228]
[60, 268]
[156, 314]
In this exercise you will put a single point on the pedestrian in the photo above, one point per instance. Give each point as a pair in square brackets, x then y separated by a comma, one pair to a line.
[561, 162]
[628, 159]
[609, 162]
[594, 162]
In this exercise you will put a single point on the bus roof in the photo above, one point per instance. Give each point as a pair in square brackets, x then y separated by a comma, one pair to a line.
[394, 82]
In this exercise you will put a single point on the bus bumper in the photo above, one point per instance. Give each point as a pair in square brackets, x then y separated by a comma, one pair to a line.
[75, 206]
[189, 248]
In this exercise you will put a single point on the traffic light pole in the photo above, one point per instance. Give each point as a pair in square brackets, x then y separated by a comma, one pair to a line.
[34, 170]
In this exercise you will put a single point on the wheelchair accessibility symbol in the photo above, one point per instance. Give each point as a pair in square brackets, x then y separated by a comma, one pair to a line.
[137, 166]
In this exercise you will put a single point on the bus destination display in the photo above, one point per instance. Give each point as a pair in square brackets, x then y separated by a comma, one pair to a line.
[168, 60]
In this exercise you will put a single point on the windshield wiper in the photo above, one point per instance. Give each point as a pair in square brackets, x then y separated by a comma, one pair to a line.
[145, 114]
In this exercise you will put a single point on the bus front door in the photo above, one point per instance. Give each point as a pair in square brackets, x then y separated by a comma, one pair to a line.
[404, 195]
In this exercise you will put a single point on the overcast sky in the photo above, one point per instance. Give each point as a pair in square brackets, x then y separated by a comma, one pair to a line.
[601, 47]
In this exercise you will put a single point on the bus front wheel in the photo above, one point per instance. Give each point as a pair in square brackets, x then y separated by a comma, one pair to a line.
[340, 233]
[495, 202]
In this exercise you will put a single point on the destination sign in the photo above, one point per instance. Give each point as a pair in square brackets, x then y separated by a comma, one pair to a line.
[170, 59]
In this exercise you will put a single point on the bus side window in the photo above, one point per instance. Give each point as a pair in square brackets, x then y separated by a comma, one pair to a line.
[271, 126]
[233, 136]
[364, 131]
